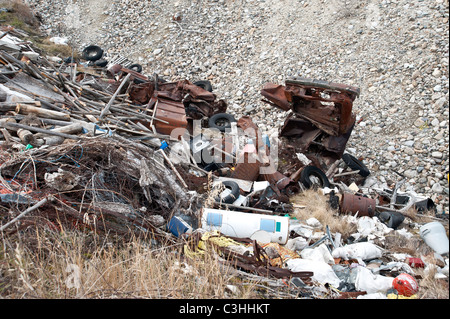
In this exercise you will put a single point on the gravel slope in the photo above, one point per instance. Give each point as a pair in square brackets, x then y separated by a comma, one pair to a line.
[397, 52]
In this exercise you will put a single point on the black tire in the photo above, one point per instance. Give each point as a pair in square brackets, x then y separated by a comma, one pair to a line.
[355, 164]
[235, 192]
[221, 121]
[101, 63]
[136, 67]
[206, 85]
[92, 53]
[310, 171]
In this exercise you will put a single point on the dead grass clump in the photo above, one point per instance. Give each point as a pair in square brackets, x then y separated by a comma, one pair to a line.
[59, 50]
[19, 15]
[312, 203]
[73, 264]
[429, 286]
[413, 246]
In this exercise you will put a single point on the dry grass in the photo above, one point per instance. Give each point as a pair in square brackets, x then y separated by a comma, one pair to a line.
[314, 204]
[60, 50]
[49, 264]
[430, 287]
[19, 16]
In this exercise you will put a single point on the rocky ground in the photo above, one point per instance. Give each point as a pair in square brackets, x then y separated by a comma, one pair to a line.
[396, 52]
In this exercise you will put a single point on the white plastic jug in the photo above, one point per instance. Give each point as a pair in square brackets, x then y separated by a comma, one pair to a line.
[434, 236]
[246, 225]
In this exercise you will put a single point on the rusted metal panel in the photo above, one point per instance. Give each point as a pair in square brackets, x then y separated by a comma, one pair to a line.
[247, 168]
[276, 94]
[325, 104]
[141, 93]
[172, 112]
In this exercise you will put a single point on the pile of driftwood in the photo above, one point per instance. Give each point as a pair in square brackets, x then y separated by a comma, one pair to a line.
[72, 146]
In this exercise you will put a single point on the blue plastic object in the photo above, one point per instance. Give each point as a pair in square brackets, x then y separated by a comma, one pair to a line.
[177, 226]
[163, 145]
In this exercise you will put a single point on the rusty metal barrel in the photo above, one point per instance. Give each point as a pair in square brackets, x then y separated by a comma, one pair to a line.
[352, 204]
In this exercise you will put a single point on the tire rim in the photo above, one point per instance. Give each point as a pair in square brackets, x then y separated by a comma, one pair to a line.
[222, 122]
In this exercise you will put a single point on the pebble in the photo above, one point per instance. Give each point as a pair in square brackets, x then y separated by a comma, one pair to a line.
[437, 154]
[437, 188]
[399, 60]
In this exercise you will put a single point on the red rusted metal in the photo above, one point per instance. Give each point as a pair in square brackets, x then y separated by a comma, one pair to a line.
[247, 167]
[356, 204]
[276, 95]
[325, 104]
[172, 112]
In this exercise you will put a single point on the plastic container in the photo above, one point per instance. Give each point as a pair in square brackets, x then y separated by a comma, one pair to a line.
[245, 225]
[391, 219]
[179, 227]
[434, 236]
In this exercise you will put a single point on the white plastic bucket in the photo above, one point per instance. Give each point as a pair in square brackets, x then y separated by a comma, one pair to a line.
[245, 225]
[434, 236]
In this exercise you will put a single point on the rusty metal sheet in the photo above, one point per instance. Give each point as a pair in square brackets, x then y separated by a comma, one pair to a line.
[351, 91]
[172, 112]
[141, 93]
[197, 92]
[278, 179]
[327, 105]
[304, 131]
[276, 94]
[247, 169]
[337, 144]
[117, 69]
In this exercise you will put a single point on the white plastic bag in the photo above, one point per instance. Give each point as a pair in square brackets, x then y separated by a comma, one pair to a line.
[322, 272]
[367, 281]
[360, 251]
[320, 253]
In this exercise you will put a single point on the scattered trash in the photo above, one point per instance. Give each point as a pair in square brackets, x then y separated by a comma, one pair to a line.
[96, 140]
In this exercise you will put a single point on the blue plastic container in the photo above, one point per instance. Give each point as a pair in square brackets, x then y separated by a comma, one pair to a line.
[178, 227]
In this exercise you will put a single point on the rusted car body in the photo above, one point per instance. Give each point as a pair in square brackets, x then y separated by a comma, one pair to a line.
[325, 104]
[321, 121]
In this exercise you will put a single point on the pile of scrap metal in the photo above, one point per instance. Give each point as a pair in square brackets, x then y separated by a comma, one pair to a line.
[321, 121]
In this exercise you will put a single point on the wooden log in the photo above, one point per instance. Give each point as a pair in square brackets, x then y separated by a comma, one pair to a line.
[7, 120]
[19, 117]
[173, 168]
[51, 106]
[29, 109]
[39, 130]
[26, 136]
[11, 106]
[53, 140]
[73, 128]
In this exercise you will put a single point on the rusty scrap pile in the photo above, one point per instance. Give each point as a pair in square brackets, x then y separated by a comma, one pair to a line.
[110, 149]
